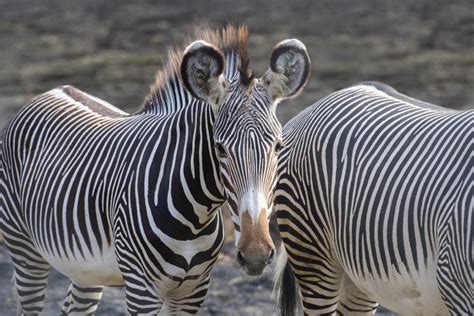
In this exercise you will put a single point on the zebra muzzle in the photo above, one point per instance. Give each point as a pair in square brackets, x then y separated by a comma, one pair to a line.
[255, 249]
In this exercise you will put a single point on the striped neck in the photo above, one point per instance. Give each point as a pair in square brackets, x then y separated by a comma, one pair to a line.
[170, 98]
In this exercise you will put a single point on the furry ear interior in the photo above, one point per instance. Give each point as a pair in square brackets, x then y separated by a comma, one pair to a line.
[290, 69]
[202, 70]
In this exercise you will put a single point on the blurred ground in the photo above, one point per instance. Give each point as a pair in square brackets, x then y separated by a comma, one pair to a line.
[112, 49]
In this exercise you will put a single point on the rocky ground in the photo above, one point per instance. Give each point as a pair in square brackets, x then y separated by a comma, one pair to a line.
[113, 48]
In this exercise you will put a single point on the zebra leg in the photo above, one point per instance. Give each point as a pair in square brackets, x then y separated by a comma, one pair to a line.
[81, 300]
[352, 301]
[456, 262]
[318, 283]
[456, 294]
[30, 269]
[142, 299]
[318, 275]
[189, 304]
[30, 274]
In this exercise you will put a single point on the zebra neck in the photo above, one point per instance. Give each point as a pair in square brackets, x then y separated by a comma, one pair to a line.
[167, 99]
[181, 145]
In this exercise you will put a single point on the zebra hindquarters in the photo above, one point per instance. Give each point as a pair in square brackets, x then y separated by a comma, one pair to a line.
[351, 300]
[318, 277]
[323, 285]
[30, 268]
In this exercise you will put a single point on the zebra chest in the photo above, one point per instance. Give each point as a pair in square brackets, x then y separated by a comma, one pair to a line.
[174, 256]
[172, 279]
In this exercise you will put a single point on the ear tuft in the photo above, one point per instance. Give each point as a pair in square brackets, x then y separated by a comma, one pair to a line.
[201, 71]
[290, 69]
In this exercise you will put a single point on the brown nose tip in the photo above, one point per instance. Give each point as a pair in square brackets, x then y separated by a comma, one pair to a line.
[255, 264]
[255, 246]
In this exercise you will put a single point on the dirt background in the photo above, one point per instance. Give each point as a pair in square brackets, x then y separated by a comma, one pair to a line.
[112, 49]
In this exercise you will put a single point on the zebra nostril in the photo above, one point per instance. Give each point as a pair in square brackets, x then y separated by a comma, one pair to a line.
[271, 256]
[240, 258]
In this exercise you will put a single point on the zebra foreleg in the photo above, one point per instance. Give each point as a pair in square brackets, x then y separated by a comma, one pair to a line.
[141, 298]
[352, 301]
[189, 304]
[81, 300]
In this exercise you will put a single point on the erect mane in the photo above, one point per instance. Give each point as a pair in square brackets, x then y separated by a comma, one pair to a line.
[230, 40]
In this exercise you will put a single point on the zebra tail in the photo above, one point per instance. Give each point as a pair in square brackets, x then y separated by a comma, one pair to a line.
[13, 279]
[14, 293]
[2, 175]
[285, 287]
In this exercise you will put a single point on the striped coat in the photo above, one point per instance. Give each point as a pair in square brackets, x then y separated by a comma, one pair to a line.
[374, 204]
[116, 199]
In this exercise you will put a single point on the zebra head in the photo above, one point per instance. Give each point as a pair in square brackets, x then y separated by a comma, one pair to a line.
[247, 133]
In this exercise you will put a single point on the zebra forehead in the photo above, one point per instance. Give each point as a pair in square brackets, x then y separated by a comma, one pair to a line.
[250, 141]
[246, 124]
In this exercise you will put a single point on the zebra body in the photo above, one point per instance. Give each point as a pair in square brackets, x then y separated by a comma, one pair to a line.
[60, 205]
[374, 204]
[110, 198]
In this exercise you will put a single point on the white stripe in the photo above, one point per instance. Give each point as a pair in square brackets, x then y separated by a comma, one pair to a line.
[253, 201]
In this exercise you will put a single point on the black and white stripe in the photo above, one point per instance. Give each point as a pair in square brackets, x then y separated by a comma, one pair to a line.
[109, 198]
[374, 204]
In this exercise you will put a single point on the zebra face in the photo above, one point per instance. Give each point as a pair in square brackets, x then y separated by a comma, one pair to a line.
[248, 163]
[247, 134]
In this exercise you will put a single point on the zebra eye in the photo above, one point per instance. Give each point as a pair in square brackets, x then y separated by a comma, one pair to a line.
[221, 153]
[278, 147]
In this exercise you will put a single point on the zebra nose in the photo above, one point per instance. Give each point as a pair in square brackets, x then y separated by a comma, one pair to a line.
[240, 258]
[271, 256]
[255, 264]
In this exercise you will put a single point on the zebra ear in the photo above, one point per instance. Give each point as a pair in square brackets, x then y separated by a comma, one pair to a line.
[202, 72]
[290, 69]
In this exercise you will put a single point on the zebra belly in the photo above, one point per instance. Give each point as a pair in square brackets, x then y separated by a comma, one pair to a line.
[99, 269]
[404, 293]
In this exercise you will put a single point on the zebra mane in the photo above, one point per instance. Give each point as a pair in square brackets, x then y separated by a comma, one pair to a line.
[231, 40]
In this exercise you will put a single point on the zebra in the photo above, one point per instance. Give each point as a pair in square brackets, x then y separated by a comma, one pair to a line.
[374, 204]
[116, 199]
